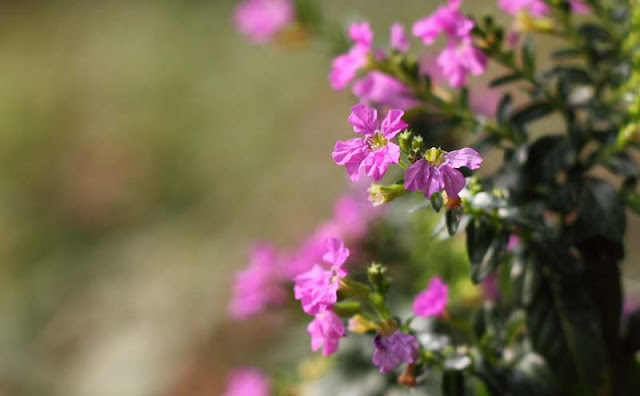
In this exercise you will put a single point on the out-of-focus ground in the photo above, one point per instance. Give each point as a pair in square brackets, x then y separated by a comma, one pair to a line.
[143, 146]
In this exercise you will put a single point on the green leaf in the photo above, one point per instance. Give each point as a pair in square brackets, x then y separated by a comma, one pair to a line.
[504, 109]
[593, 32]
[485, 246]
[564, 326]
[546, 157]
[506, 79]
[566, 53]
[533, 112]
[624, 165]
[531, 376]
[528, 55]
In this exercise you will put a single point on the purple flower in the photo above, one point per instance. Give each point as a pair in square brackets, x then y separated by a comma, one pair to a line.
[317, 288]
[459, 59]
[261, 20]
[361, 34]
[247, 382]
[490, 287]
[438, 170]
[399, 39]
[394, 349]
[433, 301]
[257, 286]
[381, 89]
[325, 331]
[374, 152]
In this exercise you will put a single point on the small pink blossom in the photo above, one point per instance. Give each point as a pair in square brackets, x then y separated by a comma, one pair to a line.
[432, 301]
[373, 153]
[380, 89]
[325, 330]
[247, 382]
[257, 286]
[490, 287]
[484, 101]
[399, 39]
[446, 19]
[361, 34]
[514, 241]
[345, 67]
[459, 59]
[317, 288]
[441, 172]
[261, 20]
[394, 349]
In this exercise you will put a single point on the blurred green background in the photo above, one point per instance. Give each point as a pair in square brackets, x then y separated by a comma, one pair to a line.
[143, 146]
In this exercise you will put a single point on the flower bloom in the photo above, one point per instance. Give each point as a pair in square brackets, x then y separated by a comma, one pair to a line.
[394, 349]
[433, 301]
[317, 288]
[345, 67]
[438, 171]
[261, 20]
[247, 382]
[374, 152]
[257, 286]
[460, 58]
[538, 8]
[399, 39]
[325, 331]
[381, 89]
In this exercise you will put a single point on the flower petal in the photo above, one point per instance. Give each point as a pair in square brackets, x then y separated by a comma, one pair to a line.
[377, 162]
[336, 253]
[422, 176]
[364, 119]
[392, 123]
[464, 157]
[453, 180]
[351, 153]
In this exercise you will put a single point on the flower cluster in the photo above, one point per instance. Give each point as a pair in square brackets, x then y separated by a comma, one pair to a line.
[317, 290]
[538, 8]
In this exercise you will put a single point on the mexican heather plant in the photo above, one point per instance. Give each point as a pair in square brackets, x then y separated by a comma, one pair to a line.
[543, 226]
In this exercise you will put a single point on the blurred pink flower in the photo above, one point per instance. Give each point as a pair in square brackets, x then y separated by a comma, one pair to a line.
[490, 287]
[325, 330]
[317, 288]
[538, 8]
[373, 153]
[345, 67]
[432, 301]
[247, 382]
[258, 285]
[484, 101]
[441, 173]
[380, 89]
[361, 34]
[399, 39]
[394, 349]
[459, 58]
[261, 20]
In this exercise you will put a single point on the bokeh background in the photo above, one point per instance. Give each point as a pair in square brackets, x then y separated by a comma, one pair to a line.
[143, 147]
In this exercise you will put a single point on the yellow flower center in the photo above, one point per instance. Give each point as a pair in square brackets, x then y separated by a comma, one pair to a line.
[435, 156]
[378, 141]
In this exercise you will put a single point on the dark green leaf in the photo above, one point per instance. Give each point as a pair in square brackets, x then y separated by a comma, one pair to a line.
[453, 220]
[453, 383]
[436, 201]
[504, 109]
[528, 55]
[485, 246]
[600, 212]
[593, 32]
[506, 79]
[533, 112]
[566, 53]
[546, 157]
[531, 376]
[624, 165]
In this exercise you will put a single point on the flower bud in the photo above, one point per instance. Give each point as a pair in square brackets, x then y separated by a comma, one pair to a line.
[377, 274]
[379, 194]
[404, 140]
[408, 377]
[417, 143]
[358, 324]
[526, 23]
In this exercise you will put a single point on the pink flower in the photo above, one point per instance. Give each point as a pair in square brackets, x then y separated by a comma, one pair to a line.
[261, 20]
[490, 286]
[325, 331]
[393, 350]
[459, 59]
[438, 171]
[247, 382]
[373, 153]
[345, 67]
[484, 101]
[380, 89]
[317, 288]
[446, 19]
[361, 34]
[257, 286]
[538, 8]
[433, 301]
[399, 39]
